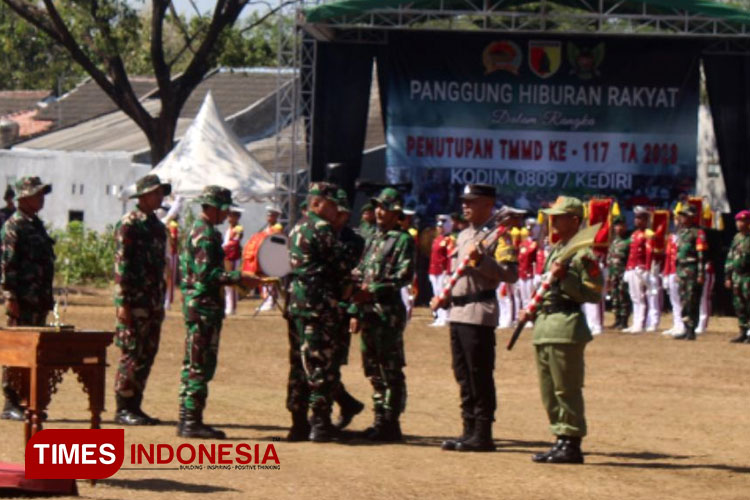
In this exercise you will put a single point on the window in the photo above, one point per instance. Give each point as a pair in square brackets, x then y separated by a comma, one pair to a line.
[75, 215]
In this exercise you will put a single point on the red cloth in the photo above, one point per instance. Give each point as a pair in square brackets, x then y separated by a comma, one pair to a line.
[439, 262]
[527, 258]
[541, 257]
[637, 257]
[670, 262]
[13, 482]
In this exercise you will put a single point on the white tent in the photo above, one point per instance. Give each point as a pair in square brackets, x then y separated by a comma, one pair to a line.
[210, 153]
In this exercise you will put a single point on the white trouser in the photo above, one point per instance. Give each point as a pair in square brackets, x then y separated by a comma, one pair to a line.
[674, 297]
[171, 277]
[594, 312]
[230, 292]
[507, 305]
[524, 292]
[705, 309]
[636, 279]
[437, 281]
[408, 300]
[655, 299]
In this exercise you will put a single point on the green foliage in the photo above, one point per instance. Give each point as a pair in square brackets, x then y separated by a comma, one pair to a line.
[84, 256]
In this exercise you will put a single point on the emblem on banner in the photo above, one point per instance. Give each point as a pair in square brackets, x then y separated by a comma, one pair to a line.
[502, 56]
[545, 58]
[585, 61]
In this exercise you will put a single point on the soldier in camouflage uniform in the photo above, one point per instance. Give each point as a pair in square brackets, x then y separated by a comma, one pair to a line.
[28, 269]
[203, 279]
[561, 335]
[691, 248]
[313, 309]
[367, 224]
[617, 258]
[737, 274]
[386, 267]
[352, 247]
[140, 257]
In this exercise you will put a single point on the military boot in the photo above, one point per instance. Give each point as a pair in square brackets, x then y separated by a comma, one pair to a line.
[480, 440]
[377, 423]
[569, 452]
[138, 411]
[126, 413]
[389, 431]
[450, 444]
[742, 337]
[12, 410]
[181, 419]
[300, 430]
[688, 335]
[544, 456]
[350, 407]
[322, 431]
[192, 426]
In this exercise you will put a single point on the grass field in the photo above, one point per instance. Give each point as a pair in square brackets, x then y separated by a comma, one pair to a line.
[667, 420]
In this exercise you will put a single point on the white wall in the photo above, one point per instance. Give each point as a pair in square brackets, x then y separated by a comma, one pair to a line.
[79, 181]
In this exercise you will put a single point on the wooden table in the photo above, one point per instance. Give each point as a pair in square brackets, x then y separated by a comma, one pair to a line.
[38, 357]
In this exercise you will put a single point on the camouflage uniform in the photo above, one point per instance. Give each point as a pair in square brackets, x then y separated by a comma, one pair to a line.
[691, 248]
[140, 258]
[317, 268]
[737, 269]
[203, 276]
[617, 257]
[27, 268]
[386, 267]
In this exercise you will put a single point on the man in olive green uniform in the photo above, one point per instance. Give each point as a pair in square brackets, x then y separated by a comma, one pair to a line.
[140, 258]
[203, 281]
[27, 269]
[691, 249]
[561, 335]
[617, 258]
[386, 267]
[737, 275]
[317, 271]
[367, 226]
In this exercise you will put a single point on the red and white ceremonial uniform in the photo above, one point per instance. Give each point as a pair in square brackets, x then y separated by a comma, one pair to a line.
[654, 290]
[670, 284]
[636, 275]
[438, 271]
[527, 253]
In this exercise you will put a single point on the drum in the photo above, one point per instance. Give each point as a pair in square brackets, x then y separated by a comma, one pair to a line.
[267, 255]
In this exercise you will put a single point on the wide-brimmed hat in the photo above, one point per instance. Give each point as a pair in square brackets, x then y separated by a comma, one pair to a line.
[390, 199]
[216, 196]
[29, 186]
[565, 205]
[148, 183]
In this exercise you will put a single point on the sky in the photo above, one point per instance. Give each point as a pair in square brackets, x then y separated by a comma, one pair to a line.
[184, 7]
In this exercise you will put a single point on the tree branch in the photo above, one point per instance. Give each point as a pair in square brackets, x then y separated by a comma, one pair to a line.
[183, 29]
[271, 11]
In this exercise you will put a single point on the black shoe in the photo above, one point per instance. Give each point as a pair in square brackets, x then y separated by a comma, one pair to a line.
[388, 432]
[450, 444]
[350, 408]
[192, 426]
[480, 440]
[13, 411]
[322, 431]
[742, 337]
[300, 429]
[128, 417]
[544, 456]
[568, 453]
[149, 419]
[376, 424]
[688, 335]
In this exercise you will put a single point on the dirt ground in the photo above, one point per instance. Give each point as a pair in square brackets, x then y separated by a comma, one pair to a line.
[667, 420]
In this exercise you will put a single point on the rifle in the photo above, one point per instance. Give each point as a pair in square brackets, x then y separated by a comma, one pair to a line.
[583, 239]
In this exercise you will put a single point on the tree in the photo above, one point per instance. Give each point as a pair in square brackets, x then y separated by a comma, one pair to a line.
[101, 35]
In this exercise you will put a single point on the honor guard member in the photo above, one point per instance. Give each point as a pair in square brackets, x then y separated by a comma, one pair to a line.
[636, 272]
[617, 257]
[203, 279]
[473, 319]
[561, 335]
[737, 273]
[352, 247]
[28, 269]
[315, 289]
[140, 259]
[379, 312]
[671, 286]
[691, 248]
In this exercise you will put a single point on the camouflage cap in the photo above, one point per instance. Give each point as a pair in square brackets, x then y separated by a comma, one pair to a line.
[565, 205]
[618, 219]
[216, 196]
[367, 206]
[148, 183]
[29, 186]
[390, 199]
[325, 189]
[342, 200]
